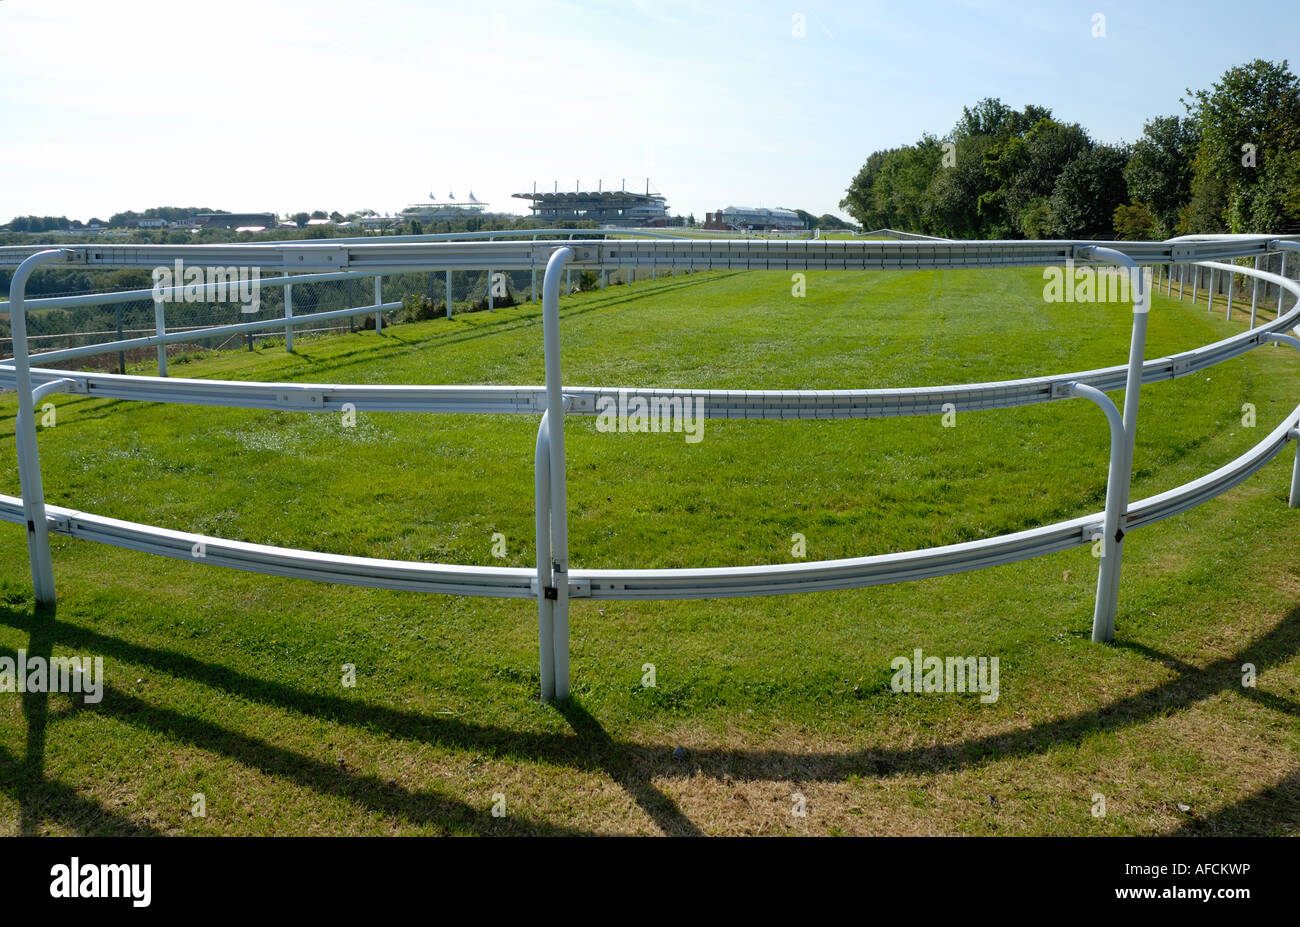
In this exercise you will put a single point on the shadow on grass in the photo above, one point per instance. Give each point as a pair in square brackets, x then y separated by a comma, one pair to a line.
[23, 778]
[42, 798]
[634, 766]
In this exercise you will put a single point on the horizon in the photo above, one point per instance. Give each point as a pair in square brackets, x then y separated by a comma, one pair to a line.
[720, 106]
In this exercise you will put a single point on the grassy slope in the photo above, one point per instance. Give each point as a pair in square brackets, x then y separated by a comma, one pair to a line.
[229, 684]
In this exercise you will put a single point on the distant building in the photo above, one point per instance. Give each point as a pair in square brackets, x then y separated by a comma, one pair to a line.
[378, 221]
[234, 220]
[753, 219]
[448, 210]
[151, 223]
[607, 207]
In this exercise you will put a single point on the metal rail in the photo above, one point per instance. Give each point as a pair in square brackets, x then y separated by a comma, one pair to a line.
[552, 583]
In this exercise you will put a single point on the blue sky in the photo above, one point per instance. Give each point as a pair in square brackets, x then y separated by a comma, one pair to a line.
[332, 104]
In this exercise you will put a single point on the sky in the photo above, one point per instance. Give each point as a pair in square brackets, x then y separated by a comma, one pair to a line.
[291, 105]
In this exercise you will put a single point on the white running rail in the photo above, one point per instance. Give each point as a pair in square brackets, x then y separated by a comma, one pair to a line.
[552, 583]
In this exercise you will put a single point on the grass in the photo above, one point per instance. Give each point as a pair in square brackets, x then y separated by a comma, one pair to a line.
[229, 684]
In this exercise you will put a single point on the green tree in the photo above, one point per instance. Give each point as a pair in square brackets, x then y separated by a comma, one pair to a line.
[1091, 187]
[1135, 222]
[1249, 123]
[1159, 172]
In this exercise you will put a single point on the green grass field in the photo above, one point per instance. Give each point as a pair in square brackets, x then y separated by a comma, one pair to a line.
[229, 684]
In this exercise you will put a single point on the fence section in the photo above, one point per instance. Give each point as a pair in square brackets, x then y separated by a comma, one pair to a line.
[553, 584]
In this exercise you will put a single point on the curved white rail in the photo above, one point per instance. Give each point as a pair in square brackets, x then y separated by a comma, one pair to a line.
[552, 584]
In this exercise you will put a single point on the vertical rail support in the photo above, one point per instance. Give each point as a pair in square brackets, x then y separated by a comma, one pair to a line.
[1209, 293]
[1281, 272]
[1293, 500]
[29, 461]
[449, 294]
[121, 355]
[545, 605]
[491, 274]
[1196, 279]
[160, 326]
[1119, 479]
[379, 302]
[1254, 294]
[558, 590]
[1182, 274]
[1232, 282]
[288, 314]
[1169, 281]
[533, 299]
[568, 282]
[602, 278]
[1284, 247]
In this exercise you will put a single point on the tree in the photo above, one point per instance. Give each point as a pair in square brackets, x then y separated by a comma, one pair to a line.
[1249, 122]
[1206, 212]
[1159, 172]
[1091, 187]
[956, 190]
[1030, 168]
[859, 198]
[1135, 222]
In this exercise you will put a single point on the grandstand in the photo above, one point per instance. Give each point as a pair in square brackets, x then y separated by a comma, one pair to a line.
[753, 219]
[607, 207]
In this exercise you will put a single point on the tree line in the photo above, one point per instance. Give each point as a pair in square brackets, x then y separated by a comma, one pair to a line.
[1229, 163]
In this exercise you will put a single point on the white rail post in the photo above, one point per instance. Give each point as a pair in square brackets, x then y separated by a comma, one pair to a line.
[1281, 272]
[1232, 282]
[602, 278]
[160, 326]
[1209, 293]
[558, 592]
[288, 314]
[1293, 500]
[1119, 479]
[1196, 279]
[29, 461]
[449, 294]
[491, 274]
[542, 519]
[1254, 294]
[379, 302]
[533, 298]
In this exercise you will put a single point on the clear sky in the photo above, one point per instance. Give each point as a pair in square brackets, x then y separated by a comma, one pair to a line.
[288, 105]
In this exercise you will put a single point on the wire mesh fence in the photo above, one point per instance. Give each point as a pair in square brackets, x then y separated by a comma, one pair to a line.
[419, 296]
[1233, 292]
